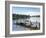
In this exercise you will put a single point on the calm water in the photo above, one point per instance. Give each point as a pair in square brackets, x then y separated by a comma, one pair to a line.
[21, 28]
[34, 19]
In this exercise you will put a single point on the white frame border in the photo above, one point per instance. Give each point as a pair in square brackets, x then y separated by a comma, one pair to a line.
[23, 32]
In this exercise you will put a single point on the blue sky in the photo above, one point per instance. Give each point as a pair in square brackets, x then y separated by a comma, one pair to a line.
[25, 10]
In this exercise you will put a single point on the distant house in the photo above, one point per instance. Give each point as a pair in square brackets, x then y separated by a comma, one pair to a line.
[21, 18]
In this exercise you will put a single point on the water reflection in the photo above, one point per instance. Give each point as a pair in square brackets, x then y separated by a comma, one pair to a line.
[21, 27]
